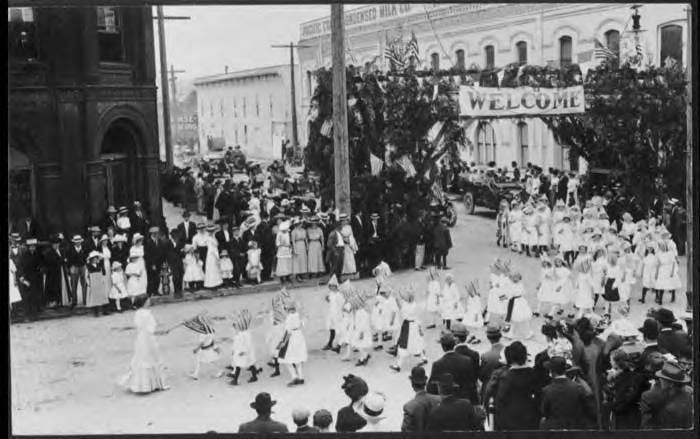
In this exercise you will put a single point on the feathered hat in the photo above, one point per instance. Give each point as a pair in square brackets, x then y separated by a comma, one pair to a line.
[242, 320]
[199, 324]
[279, 306]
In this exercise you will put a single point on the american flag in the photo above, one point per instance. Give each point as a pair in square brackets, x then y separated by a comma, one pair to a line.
[405, 163]
[602, 53]
[396, 54]
[412, 48]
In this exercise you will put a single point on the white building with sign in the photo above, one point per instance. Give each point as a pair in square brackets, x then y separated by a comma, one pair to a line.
[250, 108]
[494, 35]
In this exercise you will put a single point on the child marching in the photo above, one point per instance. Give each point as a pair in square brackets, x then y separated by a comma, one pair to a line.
[411, 341]
[292, 348]
[243, 350]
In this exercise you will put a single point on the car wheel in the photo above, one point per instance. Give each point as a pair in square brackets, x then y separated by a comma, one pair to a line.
[469, 202]
[451, 216]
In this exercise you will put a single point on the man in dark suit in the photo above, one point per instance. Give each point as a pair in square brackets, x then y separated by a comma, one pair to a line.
[453, 413]
[138, 220]
[416, 411]
[93, 241]
[459, 330]
[374, 239]
[650, 333]
[27, 228]
[565, 404]
[238, 252]
[442, 243]
[461, 367]
[173, 255]
[153, 258]
[263, 424]
[30, 278]
[490, 359]
[671, 338]
[111, 220]
[266, 240]
[76, 259]
[669, 403]
[223, 236]
[186, 229]
[336, 251]
[357, 223]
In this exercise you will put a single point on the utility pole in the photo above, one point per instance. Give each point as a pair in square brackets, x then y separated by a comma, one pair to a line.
[689, 176]
[295, 130]
[340, 111]
[173, 87]
[164, 83]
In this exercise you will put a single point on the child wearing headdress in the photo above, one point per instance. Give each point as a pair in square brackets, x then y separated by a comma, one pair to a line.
[530, 238]
[584, 286]
[206, 351]
[496, 306]
[411, 340]
[650, 265]
[562, 286]
[254, 266]
[432, 305]
[545, 290]
[361, 338]
[345, 331]
[134, 272]
[387, 318]
[473, 313]
[243, 349]
[450, 306]
[193, 276]
[544, 228]
[335, 311]
[613, 278]
[502, 222]
[292, 348]
[518, 310]
[628, 228]
[515, 226]
[276, 333]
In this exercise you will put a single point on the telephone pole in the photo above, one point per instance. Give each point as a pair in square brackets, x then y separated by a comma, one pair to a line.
[689, 176]
[295, 130]
[173, 87]
[164, 83]
[340, 112]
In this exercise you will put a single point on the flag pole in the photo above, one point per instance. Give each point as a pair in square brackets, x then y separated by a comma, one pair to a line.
[689, 176]
[340, 112]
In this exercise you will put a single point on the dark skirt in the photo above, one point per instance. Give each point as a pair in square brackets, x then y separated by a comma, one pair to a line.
[611, 294]
[403, 335]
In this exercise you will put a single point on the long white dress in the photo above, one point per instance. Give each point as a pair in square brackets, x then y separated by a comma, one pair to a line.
[118, 290]
[497, 305]
[529, 232]
[335, 311]
[14, 289]
[450, 306]
[345, 330]
[361, 330]
[546, 293]
[212, 272]
[349, 250]
[563, 286]
[193, 271]
[432, 304]
[544, 231]
[585, 289]
[284, 254]
[143, 280]
[668, 277]
[390, 317]
[415, 342]
[649, 265]
[296, 351]
[243, 350]
[521, 308]
[134, 273]
[146, 370]
[515, 226]
[473, 316]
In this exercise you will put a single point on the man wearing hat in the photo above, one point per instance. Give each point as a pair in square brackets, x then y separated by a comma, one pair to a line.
[565, 404]
[29, 275]
[650, 332]
[238, 252]
[93, 242]
[669, 403]
[490, 359]
[374, 239]
[187, 229]
[173, 254]
[27, 228]
[138, 220]
[442, 243]
[453, 413]
[76, 259]
[16, 248]
[263, 424]
[56, 281]
[111, 219]
[460, 366]
[336, 249]
[415, 411]
[223, 235]
[153, 258]
[671, 337]
[460, 331]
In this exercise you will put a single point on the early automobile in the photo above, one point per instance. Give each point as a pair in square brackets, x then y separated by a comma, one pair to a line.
[481, 187]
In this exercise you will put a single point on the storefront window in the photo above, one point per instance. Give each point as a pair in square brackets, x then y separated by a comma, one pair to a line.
[109, 36]
[435, 61]
[461, 63]
[612, 42]
[523, 142]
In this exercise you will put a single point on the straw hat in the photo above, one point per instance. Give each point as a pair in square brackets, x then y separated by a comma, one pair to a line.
[137, 237]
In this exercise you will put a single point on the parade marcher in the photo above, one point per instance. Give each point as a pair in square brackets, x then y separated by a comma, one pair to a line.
[667, 277]
[207, 351]
[518, 313]
[335, 311]
[613, 276]
[433, 297]
[584, 286]
[450, 306]
[243, 349]
[545, 290]
[292, 348]
[118, 291]
[416, 411]
[411, 340]
[76, 259]
[361, 336]
[300, 254]
[146, 369]
[529, 236]
[650, 265]
[385, 316]
[98, 284]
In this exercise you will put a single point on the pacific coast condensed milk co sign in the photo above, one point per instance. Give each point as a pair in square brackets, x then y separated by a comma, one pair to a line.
[520, 101]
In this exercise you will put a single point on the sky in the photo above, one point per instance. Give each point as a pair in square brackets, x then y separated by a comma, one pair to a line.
[237, 36]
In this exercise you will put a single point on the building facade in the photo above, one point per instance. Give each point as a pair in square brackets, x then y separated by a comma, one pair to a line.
[495, 35]
[250, 108]
[83, 131]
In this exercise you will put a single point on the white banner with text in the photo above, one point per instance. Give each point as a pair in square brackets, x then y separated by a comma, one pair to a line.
[520, 101]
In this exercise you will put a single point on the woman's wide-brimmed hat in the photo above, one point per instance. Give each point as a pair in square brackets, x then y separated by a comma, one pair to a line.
[137, 237]
[104, 238]
[674, 373]
[94, 254]
[77, 238]
[284, 226]
[372, 407]
[116, 265]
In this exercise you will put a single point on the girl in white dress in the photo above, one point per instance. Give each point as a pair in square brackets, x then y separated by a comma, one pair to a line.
[293, 351]
[138, 249]
[529, 232]
[450, 306]
[411, 339]
[283, 243]
[362, 329]
[520, 312]
[243, 349]
[194, 276]
[567, 241]
[254, 266]
[349, 250]
[628, 228]
[389, 317]
[515, 226]
[629, 265]
[600, 266]
[118, 292]
[613, 279]
[134, 273]
[562, 286]
[226, 267]
[207, 351]
[275, 334]
[546, 296]
[650, 265]
[473, 315]
[432, 305]
[544, 228]
[585, 286]
[667, 277]
[345, 331]
[212, 273]
[335, 311]
[497, 303]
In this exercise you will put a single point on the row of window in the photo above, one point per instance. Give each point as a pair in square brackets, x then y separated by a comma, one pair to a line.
[22, 38]
[235, 107]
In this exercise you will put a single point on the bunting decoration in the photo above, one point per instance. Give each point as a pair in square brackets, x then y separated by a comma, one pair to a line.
[405, 163]
[376, 164]
[327, 128]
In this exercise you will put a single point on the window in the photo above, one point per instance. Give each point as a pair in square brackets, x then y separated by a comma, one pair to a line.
[109, 36]
[490, 55]
[612, 42]
[461, 63]
[522, 141]
[435, 61]
[257, 106]
[236, 135]
[21, 34]
[486, 144]
[565, 49]
[671, 44]
[521, 49]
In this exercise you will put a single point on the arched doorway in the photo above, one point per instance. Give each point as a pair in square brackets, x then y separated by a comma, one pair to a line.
[118, 155]
[22, 188]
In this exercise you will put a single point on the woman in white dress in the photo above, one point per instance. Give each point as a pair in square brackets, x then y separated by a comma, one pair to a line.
[515, 226]
[562, 287]
[300, 242]
[138, 249]
[450, 306]
[14, 289]
[212, 272]
[283, 242]
[667, 277]
[432, 305]
[194, 276]
[411, 340]
[349, 250]
[146, 371]
[293, 350]
[134, 271]
[496, 305]
[529, 231]
[316, 246]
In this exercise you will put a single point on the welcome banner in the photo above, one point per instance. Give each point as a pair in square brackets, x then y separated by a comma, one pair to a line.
[520, 101]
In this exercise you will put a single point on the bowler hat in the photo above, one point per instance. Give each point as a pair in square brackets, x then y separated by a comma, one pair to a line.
[111, 209]
[263, 401]
[446, 338]
[673, 372]
[418, 376]
[493, 330]
[665, 317]
[650, 329]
